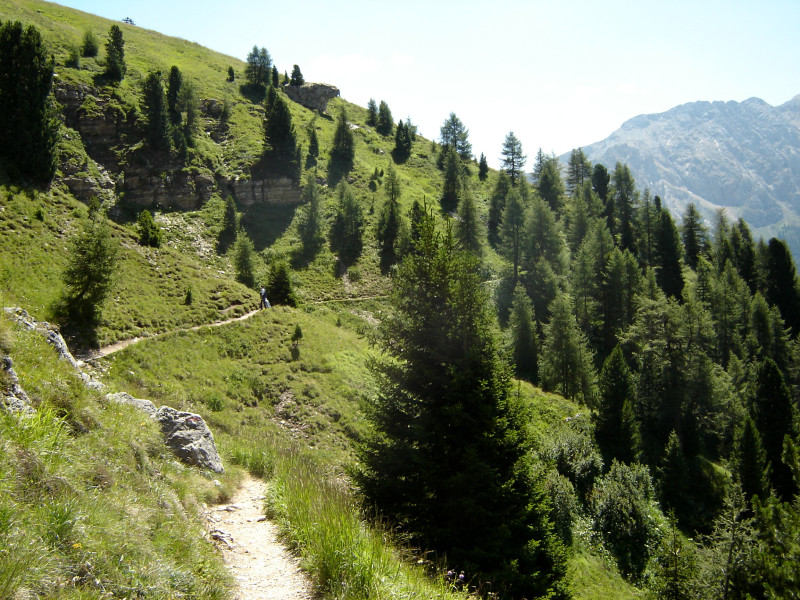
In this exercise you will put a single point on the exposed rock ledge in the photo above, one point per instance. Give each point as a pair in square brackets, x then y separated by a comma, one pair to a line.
[312, 95]
[186, 434]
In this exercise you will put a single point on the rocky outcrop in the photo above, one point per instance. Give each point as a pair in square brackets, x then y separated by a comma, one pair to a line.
[185, 433]
[188, 436]
[13, 397]
[312, 95]
[166, 185]
[247, 192]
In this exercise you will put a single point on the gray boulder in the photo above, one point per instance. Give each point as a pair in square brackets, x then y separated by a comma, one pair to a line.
[14, 398]
[188, 436]
[312, 95]
[143, 405]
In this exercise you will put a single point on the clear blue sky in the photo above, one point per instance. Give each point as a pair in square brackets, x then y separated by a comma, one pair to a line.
[558, 74]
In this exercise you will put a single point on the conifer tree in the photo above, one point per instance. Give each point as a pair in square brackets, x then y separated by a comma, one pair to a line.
[453, 134]
[115, 54]
[258, 68]
[297, 77]
[372, 113]
[615, 426]
[90, 271]
[28, 118]
[775, 415]
[243, 251]
[483, 168]
[149, 231]
[275, 77]
[497, 204]
[230, 225]
[693, 234]
[279, 286]
[513, 158]
[155, 108]
[313, 146]
[524, 341]
[346, 229]
[749, 462]
[512, 231]
[673, 478]
[452, 185]
[310, 225]
[625, 204]
[744, 254]
[566, 360]
[91, 45]
[781, 280]
[174, 85]
[468, 226]
[402, 142]
[343, 149]
[551, 186]
[675, 566]
[389, 222]
[649, 218]
[600, 181]
[579, 170]
[448, 456]
[384, 124]
[668, 256]
[279, 136]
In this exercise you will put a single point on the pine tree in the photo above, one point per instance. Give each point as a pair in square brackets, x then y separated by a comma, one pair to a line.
[693, 234]
[625, 205]
[524, 341]
[615, 426]
[389, 222]
[452, 185]
[243, 259]
[297, 77]
[668, 256]
[90, 271]
[513, 158]
[155, 108]
[372, 113]
[384, 124]
[257, 71]
[346, 229]
[551, 186]
[497, 204]
[281, 141]
[775, 416]
[447, 457]
[28, 119]
[566, 360]
[483, 168]
[115, 54]
[512, 231]
[343, 149]
[749, 462]
[230, 225]
[453, 134]
[279, 286]
[310, 224]
[579, 170]
[600, 181]
[468, 226]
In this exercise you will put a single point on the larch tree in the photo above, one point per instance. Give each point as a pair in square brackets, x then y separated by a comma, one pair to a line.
[626, 199]
[155, 109]
[694, 235]
[311, 222]
[280, 149]
[524, 340]
[579, 170]
[600, 181]
[513, 158]
[343, 150]
[551, 186]
[452, 185]
[615, 424]
[497, 204]
[297, 77]
[483, 168]
[174, 87]
[372, 112]
[258, 68]
[512, 231]
[468, 226]
[390, 221]
[346, 232]
[447, 460]
[454, 134]
[384, 124]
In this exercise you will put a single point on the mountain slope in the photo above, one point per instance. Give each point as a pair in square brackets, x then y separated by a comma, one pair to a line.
[743, 156]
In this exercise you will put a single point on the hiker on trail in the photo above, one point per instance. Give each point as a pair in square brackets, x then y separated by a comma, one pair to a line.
[264, 302]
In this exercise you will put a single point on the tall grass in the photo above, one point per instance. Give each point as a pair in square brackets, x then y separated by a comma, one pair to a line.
[347, 557]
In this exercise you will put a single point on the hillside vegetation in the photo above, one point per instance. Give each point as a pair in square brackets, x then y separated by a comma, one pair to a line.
[550, 386]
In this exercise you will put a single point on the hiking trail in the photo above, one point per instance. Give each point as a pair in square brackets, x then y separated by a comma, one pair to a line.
[253, 553]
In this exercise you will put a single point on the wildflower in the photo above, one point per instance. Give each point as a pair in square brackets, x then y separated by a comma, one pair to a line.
[77, 546]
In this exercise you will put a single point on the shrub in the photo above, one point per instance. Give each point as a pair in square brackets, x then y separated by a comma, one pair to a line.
[91, 45]
[149, 231]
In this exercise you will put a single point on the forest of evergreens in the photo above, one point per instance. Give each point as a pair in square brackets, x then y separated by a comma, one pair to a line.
[678, 338]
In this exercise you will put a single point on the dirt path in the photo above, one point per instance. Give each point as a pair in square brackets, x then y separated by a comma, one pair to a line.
[122, 344]
[263, 568]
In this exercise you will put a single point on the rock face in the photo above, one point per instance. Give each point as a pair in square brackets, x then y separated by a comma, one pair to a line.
[14, 399]
[188, 436]
[744, 157]
[312, 95]
[263, 191]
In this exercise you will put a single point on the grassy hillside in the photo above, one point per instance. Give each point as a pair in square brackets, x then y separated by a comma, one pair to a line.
[276, 408]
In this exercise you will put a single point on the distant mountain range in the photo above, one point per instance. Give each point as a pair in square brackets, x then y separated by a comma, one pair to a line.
[743, 156]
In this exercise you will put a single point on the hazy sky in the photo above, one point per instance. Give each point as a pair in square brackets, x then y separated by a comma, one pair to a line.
[558, 74]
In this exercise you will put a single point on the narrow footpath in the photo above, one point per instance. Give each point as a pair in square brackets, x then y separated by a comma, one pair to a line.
[263, 568]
